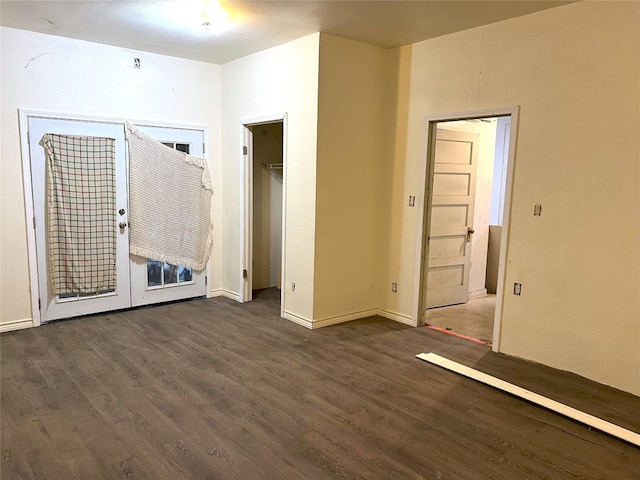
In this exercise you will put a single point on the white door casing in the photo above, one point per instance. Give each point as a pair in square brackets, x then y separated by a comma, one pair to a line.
[423, 217]
[451, 220]
[246, 202]
[132, 288]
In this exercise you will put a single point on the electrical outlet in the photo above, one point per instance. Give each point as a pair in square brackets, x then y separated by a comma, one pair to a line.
[537, 210]
[517, 289]
[293, 286]
[394, 287]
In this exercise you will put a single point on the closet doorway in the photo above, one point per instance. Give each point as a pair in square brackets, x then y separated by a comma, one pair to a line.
[268, 169]
[263, 223]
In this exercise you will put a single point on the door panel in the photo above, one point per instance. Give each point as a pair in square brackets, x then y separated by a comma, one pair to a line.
[452, 198]
[53, 306]
[152, 281]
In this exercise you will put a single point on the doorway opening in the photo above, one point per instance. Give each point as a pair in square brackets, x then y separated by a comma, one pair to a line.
[263, 220]
[268, 170]
[468, 163]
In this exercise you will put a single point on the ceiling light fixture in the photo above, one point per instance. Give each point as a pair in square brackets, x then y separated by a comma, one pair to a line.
[212, 13]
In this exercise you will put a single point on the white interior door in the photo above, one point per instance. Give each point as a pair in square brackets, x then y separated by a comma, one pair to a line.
[72, 304]
[153, 281]
[140, 281]
[451, 220]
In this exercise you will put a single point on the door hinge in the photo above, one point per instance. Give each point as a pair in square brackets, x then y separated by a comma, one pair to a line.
[245, 150]
[245, 274]
[39, 305]
[203, 149]
[34, 222]
[206, 279]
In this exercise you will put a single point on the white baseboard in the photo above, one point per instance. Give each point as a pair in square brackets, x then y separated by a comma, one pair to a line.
[222, 292]
[16, 325]
[477, 293]
[397, 317]
[325, 322]
[305, 322]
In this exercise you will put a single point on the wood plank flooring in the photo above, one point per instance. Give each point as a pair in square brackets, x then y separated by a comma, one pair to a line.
[213, 389]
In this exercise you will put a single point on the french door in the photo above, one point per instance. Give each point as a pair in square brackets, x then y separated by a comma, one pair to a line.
[139, 281]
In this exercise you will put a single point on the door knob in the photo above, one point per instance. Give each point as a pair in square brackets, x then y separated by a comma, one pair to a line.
[122, 224]
[470, 231]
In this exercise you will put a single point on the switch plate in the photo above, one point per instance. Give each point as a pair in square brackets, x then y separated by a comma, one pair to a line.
[394, 287]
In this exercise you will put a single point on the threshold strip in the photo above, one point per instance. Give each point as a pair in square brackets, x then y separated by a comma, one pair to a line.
[561, 408]
[459, 335]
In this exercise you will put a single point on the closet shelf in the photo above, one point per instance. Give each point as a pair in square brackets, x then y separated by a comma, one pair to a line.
[275, 170]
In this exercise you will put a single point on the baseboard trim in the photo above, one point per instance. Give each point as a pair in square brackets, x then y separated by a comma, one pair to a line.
[325, 322]
[223, 292]
[305, 322]
[16, 325]
[396, 317]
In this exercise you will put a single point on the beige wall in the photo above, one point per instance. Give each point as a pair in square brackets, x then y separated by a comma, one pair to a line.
[355, 125]
[280, 80]
[44, 72]
[571, 69]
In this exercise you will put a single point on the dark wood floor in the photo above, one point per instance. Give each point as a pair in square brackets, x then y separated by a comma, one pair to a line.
[212, 389]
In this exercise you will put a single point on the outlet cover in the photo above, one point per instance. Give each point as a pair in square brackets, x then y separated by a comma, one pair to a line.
[517, 289]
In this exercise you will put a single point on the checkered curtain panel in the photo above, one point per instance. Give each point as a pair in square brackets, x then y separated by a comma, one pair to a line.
[81, 198]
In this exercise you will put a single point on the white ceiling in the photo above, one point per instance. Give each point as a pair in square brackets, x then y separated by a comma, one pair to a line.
[171, 27]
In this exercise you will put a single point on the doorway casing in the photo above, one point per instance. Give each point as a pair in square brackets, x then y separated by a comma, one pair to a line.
[424, 212]
[246, 204]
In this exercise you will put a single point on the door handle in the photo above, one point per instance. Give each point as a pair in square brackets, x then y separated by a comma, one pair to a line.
[122, 224]
[470, 231]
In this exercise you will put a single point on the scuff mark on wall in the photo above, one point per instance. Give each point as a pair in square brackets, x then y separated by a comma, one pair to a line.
[34, 58]
[47, 20]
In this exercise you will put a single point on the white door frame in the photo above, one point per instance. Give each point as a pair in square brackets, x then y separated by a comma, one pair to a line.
[424, 208]
[246, 203]
[24, 115]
